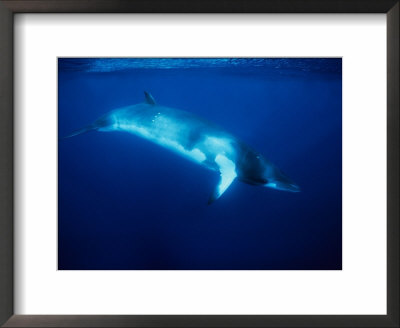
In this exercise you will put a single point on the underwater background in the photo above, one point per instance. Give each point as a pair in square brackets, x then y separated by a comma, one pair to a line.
[125, 203]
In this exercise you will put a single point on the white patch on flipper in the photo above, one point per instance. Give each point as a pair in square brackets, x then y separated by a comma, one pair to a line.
[227, 170]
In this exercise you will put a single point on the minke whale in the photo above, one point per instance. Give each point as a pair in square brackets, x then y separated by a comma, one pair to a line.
[197, 140]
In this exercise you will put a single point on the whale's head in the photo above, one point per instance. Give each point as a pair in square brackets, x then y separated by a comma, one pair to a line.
[254, 169]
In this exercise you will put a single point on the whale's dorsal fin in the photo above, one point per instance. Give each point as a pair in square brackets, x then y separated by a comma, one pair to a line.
[149, 98]
[227, 170]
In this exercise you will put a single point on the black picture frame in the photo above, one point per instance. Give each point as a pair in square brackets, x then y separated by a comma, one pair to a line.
[10, 7]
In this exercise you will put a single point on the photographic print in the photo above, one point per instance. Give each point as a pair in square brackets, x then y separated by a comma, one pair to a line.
[199, 163]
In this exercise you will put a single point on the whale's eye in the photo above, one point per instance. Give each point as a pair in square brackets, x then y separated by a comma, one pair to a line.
[260, 181]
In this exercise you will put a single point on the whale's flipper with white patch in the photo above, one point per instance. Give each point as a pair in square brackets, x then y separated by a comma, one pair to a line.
[227, 170]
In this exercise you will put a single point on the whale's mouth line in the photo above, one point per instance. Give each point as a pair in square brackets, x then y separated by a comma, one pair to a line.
[292, 187]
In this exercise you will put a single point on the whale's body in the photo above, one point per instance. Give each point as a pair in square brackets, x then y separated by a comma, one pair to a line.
[197, 140]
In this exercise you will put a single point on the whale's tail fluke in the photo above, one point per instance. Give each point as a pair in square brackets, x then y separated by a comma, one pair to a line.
[85, 129]
[99, 124]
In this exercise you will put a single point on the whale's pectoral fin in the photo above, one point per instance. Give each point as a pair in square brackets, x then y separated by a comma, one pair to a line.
[149, 98]
[227, 170]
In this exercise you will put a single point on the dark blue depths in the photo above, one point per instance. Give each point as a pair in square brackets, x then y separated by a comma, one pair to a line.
[125, 203]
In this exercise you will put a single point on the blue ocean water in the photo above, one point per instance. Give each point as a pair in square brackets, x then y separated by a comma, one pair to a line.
[125, 203]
